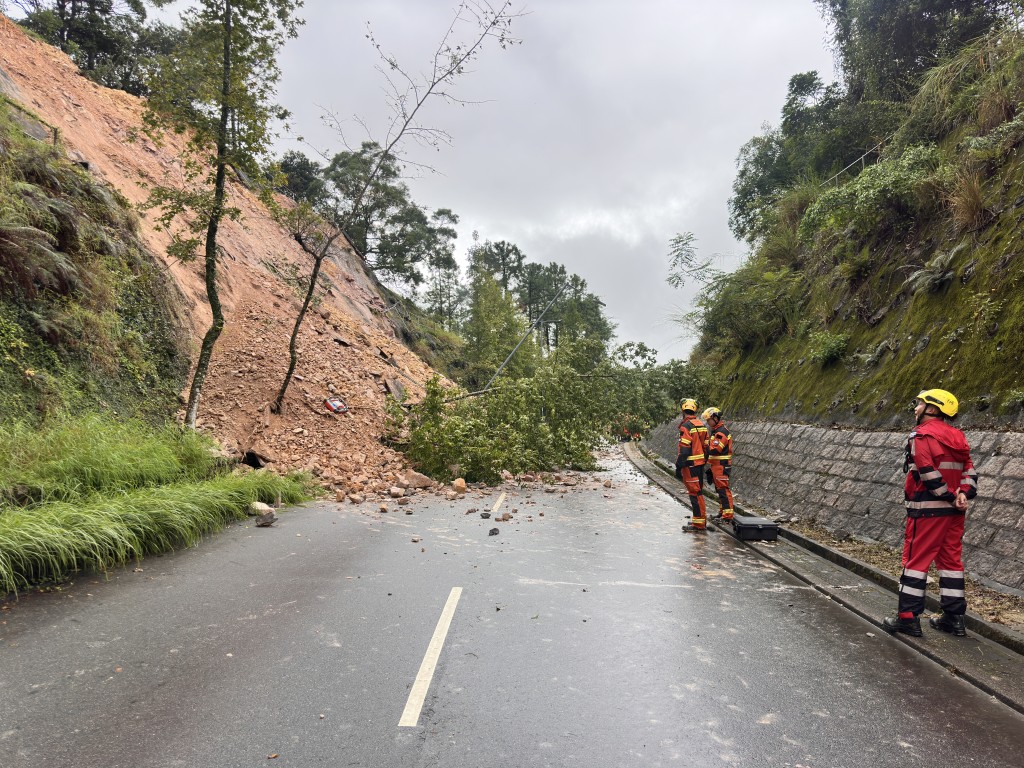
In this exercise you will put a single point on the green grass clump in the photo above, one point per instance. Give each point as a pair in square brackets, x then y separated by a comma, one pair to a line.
[93, 493]
[74, 457]
[55, 540]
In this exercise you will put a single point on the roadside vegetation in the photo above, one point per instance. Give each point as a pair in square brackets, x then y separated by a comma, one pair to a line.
[90, 493]
[86, 317]
[91, 360]
[882, 215]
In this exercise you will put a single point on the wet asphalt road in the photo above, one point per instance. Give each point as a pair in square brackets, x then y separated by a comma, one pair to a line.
[596, 635]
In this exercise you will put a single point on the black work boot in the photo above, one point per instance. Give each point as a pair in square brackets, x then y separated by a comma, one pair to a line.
[948, 622]
[910, 626]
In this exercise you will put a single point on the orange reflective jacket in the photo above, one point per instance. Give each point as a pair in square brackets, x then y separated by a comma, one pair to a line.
[692, 437]
[720, 446]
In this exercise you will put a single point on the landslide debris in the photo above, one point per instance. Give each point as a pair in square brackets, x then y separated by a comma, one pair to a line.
[347, 347]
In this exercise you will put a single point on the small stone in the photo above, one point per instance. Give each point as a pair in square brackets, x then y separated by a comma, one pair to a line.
[356, 498]
[607, 483]
[484, 515]
[402, 502]
[258, 509]
[549, 489]
[493, 532]
[417, 480]
[266, 520]
[339, 495]
[396, 492]
[459, 486]
[452, 496]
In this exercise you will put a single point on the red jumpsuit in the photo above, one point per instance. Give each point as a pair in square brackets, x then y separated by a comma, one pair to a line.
[938, 465]
[720, 462]
[690, 465]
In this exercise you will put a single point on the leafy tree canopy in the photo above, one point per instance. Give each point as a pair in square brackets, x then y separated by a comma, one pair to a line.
[109, 40]
[396, 236]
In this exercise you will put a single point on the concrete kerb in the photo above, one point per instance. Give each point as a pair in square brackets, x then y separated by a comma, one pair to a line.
[1002, 635]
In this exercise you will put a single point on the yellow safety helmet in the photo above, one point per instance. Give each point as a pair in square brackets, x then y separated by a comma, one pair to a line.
[941, 399]
[708, 413]
[689, 404]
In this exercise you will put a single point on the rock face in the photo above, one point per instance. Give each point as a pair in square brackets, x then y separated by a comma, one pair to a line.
[852, 480]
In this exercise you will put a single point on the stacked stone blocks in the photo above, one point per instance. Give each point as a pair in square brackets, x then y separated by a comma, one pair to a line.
[851, 482]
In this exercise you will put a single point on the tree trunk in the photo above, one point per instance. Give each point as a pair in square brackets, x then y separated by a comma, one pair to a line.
[293, 355]
[210, 338]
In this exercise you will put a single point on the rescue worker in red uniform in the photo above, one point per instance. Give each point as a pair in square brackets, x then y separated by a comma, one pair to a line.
[690, 460]
[720, 459]
[940, 481]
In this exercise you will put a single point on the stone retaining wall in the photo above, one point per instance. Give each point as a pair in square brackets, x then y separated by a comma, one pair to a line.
[851, 482]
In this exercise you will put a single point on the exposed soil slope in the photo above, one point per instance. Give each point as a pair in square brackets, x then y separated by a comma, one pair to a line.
[347, 347]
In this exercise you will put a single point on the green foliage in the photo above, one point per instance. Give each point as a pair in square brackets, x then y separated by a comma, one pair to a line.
[886, 195]
[492, 329]
[685, 266]
[85, 315]
[94, 493]
[108, 41]
[303, 178]
[57, 539]
[216, 90]
[977, 89]
[882, 48]
[365, 197]
[502, 260]
[827, 348]
[935, 276]
[554, 418]
[72, 457]
[905, 267]
[750, 307]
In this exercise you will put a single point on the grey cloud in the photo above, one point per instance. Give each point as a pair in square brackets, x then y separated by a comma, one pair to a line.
[611, 128]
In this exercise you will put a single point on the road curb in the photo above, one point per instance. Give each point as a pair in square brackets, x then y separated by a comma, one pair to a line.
[659, 471]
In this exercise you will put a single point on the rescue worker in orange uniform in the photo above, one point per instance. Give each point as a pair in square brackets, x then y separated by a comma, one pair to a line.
[940, 481]
[720, 459]
[690, 460]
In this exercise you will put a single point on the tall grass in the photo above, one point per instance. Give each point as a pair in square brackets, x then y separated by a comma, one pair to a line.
[92, 493]
[57, 539]
[74, 457]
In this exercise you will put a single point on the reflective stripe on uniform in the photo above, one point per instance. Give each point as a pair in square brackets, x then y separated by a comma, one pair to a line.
[911, 590]
[915, 574]
[951, 574]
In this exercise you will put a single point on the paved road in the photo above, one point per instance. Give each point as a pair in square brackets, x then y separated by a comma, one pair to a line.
[597, 634]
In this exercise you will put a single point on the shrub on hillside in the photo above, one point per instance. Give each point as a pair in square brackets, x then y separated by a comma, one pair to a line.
[827, 347]
[882, 197]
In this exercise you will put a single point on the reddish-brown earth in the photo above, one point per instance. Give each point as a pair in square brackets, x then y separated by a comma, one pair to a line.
[347, 347]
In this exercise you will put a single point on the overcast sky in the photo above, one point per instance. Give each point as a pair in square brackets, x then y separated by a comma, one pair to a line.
[612, 127]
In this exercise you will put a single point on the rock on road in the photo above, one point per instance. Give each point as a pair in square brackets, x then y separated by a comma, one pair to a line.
[596, 634]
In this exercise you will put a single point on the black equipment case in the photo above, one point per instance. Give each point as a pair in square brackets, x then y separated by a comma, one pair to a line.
[755, 528]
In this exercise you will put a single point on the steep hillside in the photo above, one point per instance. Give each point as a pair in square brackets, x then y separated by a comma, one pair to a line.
[348, 346]
[903, 276]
